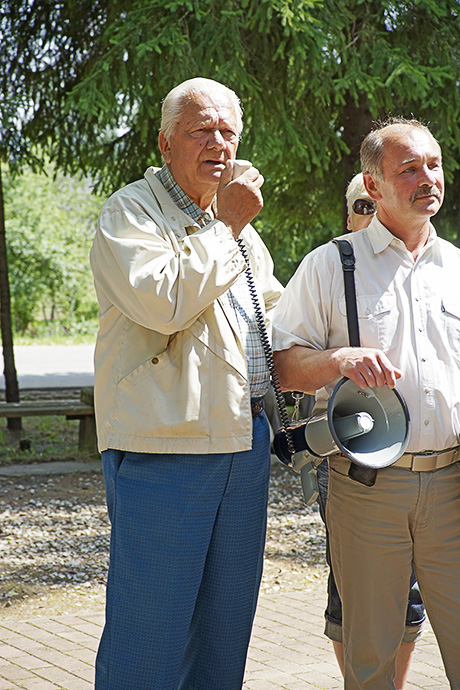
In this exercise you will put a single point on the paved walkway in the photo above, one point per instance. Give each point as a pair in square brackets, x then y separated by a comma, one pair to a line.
[288, 650]
[53, 366]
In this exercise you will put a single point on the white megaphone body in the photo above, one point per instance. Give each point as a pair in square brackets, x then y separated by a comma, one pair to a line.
[370, 427]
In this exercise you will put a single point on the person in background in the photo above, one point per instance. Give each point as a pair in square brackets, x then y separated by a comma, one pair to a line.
[361, 209]
[409, 315]
[180, 374]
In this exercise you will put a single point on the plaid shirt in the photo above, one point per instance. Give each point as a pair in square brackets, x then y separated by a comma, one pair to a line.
[237, 297]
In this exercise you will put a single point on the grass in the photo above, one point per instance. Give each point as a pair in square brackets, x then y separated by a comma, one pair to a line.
[42, 333]
[42, 439]
[55, 339]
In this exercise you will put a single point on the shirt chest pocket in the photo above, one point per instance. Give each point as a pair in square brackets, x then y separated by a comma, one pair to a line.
[377, 318]
[450, 308]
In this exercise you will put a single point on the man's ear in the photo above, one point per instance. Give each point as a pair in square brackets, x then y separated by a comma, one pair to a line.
[165, 148]
[371, 185]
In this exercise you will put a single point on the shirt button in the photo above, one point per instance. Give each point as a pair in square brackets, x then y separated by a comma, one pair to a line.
[427, 390]
[426, 422]
[155, 360]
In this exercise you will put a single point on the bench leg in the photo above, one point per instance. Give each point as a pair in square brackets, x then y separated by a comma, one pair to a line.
[87, 441]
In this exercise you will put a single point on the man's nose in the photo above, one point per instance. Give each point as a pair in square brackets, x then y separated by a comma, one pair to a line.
[216, 140]
[428, 177]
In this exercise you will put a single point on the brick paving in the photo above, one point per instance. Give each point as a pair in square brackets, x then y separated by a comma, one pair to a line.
[288, 650]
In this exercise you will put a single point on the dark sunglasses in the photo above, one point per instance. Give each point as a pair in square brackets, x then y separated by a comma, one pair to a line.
[364, 207]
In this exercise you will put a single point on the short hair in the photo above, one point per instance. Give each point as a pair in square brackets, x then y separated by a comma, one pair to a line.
[355, 190]
[181, 94]
[372, 148]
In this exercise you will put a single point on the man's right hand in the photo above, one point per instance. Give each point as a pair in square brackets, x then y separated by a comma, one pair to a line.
[304, 369]
[239, 200]
[367, 367]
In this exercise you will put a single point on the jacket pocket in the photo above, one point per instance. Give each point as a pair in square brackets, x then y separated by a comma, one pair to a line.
[167, 394]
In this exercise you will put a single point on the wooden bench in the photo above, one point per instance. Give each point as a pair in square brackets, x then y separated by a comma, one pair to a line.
[82, 410]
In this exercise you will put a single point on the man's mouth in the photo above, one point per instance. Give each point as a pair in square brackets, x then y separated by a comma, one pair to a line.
[215, 163]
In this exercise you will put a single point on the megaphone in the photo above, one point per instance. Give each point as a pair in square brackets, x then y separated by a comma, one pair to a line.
[370, 427]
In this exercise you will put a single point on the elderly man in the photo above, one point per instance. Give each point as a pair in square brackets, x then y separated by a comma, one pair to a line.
[409, 314]
[179, 377]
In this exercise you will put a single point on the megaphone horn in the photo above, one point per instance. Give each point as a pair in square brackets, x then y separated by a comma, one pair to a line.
[369, 427]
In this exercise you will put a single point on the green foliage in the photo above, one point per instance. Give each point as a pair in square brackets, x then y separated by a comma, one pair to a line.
[85, 81]
[312, 77]
[50, 226]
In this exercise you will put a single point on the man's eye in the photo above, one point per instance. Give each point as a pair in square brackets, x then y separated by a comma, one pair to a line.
[197, 133]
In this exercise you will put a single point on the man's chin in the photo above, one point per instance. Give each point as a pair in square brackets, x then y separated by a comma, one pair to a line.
[430, 206]
[211, 177]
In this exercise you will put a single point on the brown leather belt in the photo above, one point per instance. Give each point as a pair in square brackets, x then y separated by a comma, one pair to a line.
[257, 407]
[427, 462]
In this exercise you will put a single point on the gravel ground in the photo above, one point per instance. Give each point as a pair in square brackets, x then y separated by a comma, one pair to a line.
[54, 539]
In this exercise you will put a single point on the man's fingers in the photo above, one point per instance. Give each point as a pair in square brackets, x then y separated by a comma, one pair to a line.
[227, 174]
[369, 368]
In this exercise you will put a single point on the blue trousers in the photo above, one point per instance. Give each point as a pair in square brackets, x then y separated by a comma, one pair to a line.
[186, 556]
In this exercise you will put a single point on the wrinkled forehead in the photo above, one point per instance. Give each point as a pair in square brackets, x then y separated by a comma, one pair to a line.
[207, 107]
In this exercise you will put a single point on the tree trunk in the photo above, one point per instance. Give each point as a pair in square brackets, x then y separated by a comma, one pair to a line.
[357, 122]
[11, 379]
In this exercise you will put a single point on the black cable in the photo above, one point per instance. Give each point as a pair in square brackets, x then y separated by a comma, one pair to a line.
[260, 320]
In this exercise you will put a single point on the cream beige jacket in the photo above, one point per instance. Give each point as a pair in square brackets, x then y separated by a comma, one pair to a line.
[170, 370]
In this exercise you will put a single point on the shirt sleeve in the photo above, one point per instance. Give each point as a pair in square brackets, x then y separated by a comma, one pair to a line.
[303, 314]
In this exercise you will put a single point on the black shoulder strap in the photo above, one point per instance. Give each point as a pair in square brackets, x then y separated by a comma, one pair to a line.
[348, 264]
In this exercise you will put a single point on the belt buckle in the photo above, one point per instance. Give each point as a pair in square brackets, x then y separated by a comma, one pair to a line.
[256, 408]
[424, 463]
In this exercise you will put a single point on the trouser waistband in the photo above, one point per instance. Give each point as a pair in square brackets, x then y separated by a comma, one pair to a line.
[417, 462]
[427, 462]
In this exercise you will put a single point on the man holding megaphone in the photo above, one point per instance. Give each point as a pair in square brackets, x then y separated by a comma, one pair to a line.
[408, 308]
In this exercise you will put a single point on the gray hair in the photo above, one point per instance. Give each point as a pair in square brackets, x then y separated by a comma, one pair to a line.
[180, 95]
[372, 148]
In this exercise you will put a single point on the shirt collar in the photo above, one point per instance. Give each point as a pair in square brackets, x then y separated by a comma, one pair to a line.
[181, 199]
[381, 238]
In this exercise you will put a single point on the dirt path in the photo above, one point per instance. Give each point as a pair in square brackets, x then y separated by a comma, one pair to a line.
[54, 540]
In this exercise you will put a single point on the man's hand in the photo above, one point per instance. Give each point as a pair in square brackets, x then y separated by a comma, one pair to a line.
[239, 200]
[367, 367]
[304, 369]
